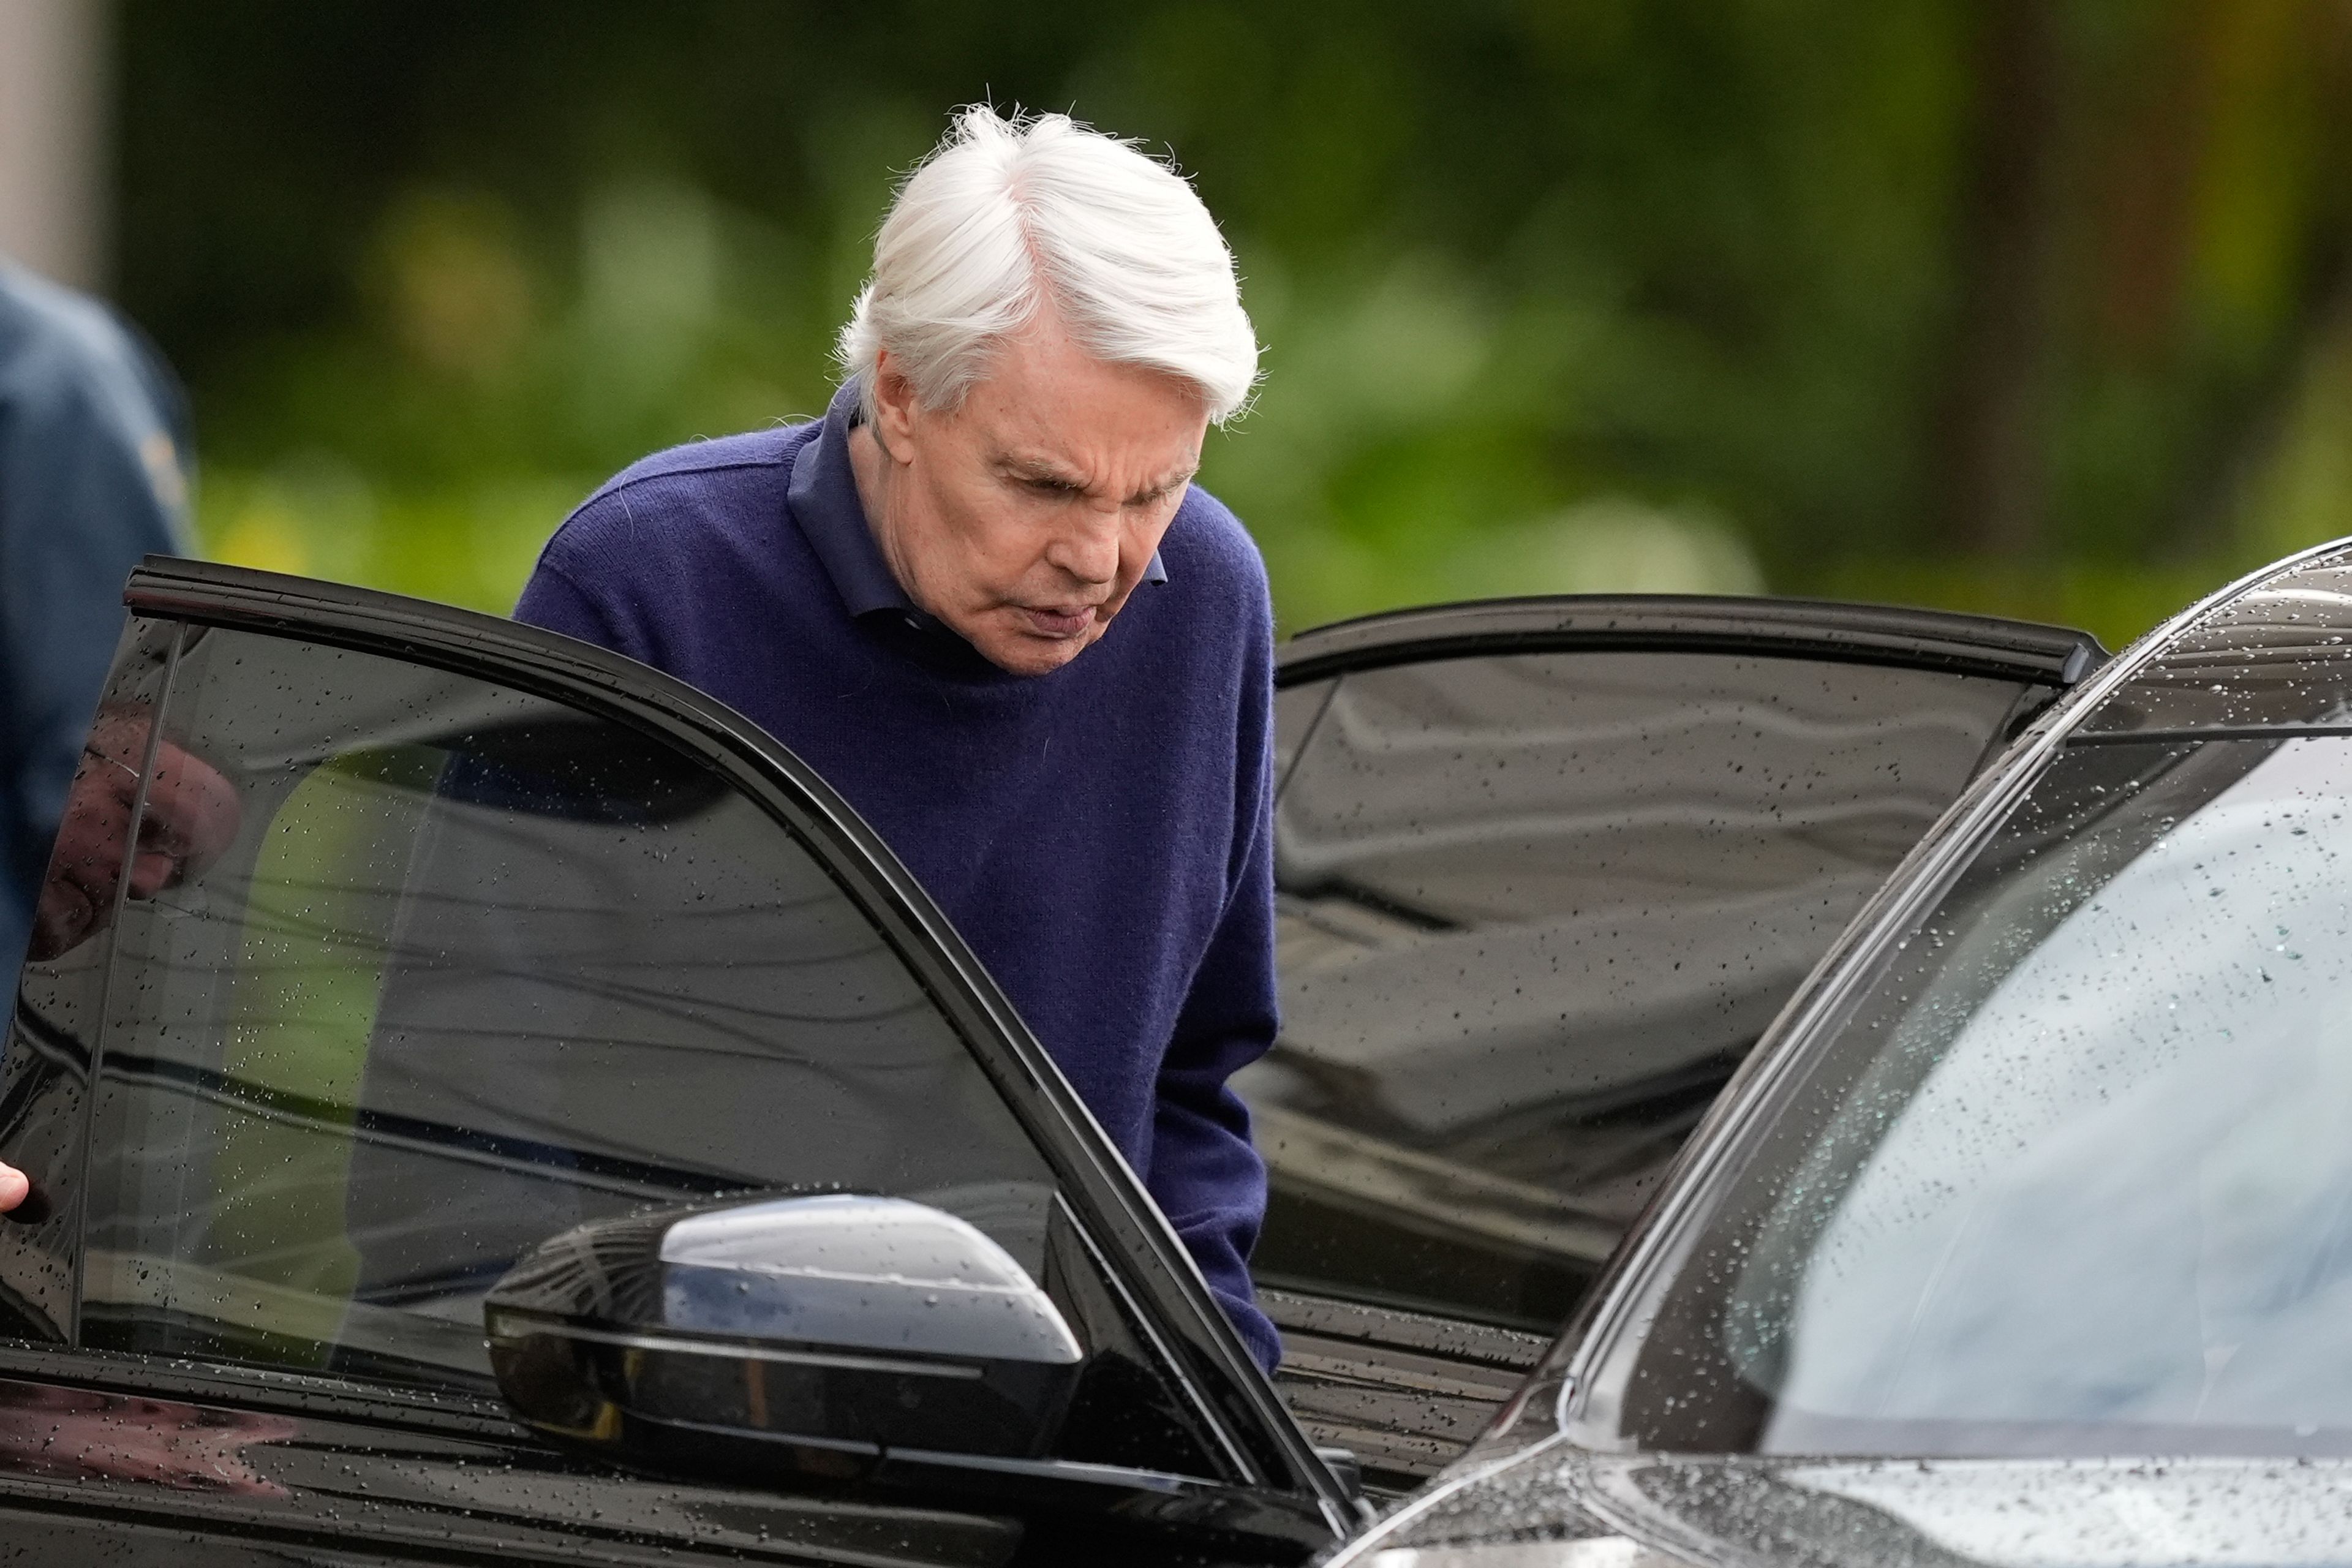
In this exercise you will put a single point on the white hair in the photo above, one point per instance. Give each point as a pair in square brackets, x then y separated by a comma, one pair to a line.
[1007, 217]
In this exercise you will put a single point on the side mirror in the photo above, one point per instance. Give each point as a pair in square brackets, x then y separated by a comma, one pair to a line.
[807, 1333]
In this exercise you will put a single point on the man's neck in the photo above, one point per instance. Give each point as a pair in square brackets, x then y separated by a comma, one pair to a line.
[870, 466]
[868, 463]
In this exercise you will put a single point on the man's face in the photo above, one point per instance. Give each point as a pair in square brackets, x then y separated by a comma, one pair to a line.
[1024, 517]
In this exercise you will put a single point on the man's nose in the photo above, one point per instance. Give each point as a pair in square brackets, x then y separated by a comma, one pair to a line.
[1088, 550]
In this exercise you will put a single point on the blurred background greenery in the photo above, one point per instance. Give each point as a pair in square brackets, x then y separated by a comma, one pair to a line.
[2036, 306]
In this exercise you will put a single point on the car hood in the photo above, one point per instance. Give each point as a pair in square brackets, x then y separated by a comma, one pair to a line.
[1567, 1509]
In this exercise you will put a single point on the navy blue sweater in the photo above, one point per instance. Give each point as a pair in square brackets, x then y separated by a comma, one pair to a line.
[1101, 836]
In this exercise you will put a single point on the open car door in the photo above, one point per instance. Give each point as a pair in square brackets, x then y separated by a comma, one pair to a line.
[538, 1121]
[1546, 869]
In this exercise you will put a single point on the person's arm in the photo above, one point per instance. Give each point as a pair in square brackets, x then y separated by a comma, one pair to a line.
[554, 600]
[1206, 1174]
[78, 508]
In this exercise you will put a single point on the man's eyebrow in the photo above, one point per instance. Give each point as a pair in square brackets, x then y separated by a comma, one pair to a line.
[1022, 467]
[1034, 468]
[1175, 481]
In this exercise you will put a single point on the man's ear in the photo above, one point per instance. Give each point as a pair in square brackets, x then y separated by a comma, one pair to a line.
[894, 408]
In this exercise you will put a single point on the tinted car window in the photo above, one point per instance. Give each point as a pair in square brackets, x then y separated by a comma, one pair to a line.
[1296, 710]
[1534, 909]
[471, 968]
[52, 1025]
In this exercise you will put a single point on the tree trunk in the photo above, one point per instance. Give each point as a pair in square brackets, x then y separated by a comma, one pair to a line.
[52, 121]
[1991, 469]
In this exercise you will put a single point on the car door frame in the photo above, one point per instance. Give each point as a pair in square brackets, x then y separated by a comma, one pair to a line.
[1687, 623]
[1351, 1355]
[1277, 1483]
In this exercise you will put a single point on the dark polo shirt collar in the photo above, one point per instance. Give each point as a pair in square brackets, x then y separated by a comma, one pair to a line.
[823, 500]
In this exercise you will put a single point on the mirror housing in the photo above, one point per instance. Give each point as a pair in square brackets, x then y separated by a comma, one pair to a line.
[815, 1334]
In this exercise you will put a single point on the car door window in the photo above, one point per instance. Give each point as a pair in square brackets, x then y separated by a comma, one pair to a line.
[61, 989]
[1534, 909]
[474, 967]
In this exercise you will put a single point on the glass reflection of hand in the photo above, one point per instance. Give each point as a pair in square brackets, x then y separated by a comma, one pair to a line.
[76, 1434]
[191, 813]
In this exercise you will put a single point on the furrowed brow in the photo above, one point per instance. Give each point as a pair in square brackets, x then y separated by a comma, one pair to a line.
[1030, 469]
[1175, 481]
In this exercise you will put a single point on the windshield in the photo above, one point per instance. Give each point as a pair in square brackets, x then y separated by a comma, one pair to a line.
[2074, 1173]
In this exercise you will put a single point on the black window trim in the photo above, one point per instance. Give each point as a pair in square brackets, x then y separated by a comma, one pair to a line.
[1262, 1442]
[2024, 651]
[291, 1390]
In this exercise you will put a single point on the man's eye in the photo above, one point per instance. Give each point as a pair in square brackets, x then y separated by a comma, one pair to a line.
[1057, 489]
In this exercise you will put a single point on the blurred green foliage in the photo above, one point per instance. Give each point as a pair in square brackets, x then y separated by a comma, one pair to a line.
[2037, 306]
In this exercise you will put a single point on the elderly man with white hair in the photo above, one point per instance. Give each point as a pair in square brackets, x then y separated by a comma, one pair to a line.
[983, 597]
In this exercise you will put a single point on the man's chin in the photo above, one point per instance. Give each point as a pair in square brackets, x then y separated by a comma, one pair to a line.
[1035, 654]
[1022, 652]
[1027, 654]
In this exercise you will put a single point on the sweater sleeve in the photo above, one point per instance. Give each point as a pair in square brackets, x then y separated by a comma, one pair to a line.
[1206, 1174]
[554, 600]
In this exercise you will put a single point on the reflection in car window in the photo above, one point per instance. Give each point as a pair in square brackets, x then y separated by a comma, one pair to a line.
[44, 1060]
[2075, 1178]
[476, 968]
[1534, 909]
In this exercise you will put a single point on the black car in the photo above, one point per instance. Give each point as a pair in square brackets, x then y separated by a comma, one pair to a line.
[2025, 1235]
[499, 1104]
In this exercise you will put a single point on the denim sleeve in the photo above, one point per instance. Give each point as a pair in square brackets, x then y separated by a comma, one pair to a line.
[82, 450]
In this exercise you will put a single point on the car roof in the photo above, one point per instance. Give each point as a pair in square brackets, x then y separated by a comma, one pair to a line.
[2272, 652]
